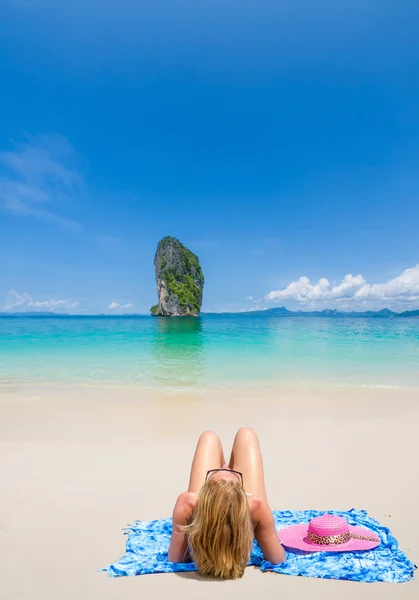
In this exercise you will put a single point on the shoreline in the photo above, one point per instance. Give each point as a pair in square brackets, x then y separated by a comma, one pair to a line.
[243, 389]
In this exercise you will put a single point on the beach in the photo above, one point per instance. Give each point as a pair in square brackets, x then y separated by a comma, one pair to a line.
[209, 221]
[80, 462]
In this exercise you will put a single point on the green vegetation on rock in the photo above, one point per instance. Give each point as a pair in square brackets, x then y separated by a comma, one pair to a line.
[185, 288]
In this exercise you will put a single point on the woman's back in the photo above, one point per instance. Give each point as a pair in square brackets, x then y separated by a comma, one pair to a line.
[216, 520]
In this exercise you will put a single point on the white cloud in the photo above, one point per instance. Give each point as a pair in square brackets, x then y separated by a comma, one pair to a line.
[116, 306]
[24, 302]
[403, 289]
[38, 175]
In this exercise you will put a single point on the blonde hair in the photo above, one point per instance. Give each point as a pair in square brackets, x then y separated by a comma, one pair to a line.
[221, 531]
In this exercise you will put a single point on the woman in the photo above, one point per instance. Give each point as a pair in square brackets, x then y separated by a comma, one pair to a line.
[224, 509]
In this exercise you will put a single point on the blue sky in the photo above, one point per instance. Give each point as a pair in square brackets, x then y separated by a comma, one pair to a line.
[278, 140]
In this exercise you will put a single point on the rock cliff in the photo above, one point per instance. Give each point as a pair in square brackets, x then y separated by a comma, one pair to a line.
[179, 278]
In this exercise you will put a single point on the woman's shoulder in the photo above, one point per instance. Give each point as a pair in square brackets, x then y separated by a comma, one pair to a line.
[256, 506]
[253, 500]
[186, 502]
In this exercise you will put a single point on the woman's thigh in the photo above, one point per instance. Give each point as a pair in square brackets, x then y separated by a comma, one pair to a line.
[246, 457]
[208, 455]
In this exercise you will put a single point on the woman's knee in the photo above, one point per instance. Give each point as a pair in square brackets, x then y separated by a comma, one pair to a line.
[208, 437]
[247, 434]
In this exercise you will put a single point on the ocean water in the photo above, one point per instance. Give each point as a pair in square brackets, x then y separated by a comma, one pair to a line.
[211, 351]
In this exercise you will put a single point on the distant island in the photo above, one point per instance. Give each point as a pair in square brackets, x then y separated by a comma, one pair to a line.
[385, 313]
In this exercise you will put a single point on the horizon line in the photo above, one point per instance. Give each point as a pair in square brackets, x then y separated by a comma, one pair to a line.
[324, 312]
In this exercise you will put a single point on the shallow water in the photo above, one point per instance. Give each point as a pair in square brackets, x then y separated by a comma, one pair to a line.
[216, 351]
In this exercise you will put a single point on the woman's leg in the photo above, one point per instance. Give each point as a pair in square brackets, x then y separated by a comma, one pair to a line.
[208, 455]
[246, 457]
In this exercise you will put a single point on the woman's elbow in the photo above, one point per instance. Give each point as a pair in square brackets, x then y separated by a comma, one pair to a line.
[283, 557]
[277, 557]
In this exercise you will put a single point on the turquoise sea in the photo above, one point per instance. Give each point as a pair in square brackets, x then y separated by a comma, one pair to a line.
[211, 351]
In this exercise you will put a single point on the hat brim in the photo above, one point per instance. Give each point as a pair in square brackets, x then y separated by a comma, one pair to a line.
[295, 536]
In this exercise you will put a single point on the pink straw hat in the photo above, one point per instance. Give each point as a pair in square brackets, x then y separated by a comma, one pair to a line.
[328, 533]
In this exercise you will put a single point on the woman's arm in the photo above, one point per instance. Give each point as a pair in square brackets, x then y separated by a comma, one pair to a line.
[178, 549]
[266, 534]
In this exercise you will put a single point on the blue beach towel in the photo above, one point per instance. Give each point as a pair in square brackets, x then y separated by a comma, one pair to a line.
[148, 543]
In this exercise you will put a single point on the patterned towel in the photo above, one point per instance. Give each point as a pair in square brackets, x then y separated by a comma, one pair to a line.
[148, 543]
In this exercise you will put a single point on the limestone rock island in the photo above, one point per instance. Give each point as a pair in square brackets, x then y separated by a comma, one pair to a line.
[179, 278]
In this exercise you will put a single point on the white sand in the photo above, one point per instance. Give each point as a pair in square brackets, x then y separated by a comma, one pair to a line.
[78, 464]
